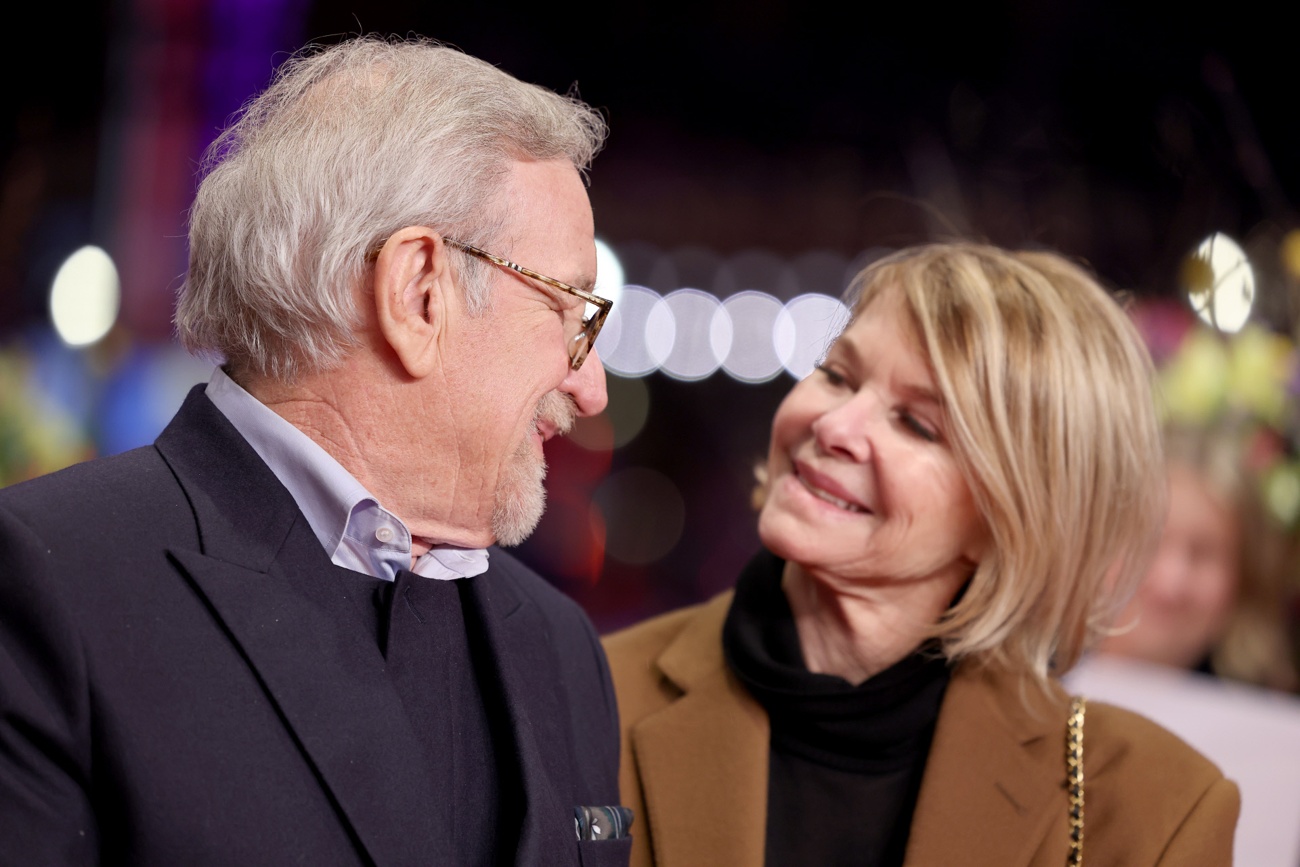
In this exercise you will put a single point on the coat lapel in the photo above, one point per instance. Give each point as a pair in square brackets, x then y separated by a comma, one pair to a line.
[705, 755]
[532, 693]
[267, 581]
[994, 782]
[992, 794]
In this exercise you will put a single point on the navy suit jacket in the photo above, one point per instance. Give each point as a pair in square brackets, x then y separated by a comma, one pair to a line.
[182, 683]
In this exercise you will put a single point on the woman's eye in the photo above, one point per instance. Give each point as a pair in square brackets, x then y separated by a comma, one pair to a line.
[918, 427]
[832, 377]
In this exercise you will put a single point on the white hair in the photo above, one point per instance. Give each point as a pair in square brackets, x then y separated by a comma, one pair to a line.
[348, 145]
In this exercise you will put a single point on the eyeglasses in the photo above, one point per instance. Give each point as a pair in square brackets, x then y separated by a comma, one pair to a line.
[581, 342]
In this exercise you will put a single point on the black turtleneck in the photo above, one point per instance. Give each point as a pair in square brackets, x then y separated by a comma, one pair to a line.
[846, 761]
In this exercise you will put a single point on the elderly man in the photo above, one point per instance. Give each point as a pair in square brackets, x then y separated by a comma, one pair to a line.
[278, 636]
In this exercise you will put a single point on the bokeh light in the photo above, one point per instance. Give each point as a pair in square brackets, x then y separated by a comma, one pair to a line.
[804, 330]
[85, 297]
[737, 320]
[684, 336]
[1282, 492]
[622, 344]
[1220, 283]
[609, 273]
[644, 514]
[622, 420]
[1289, 250]
[752, 317]
[595, 433]
[629, 407]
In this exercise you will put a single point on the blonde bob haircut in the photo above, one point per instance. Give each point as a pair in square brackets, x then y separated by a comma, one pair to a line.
[1048, 392]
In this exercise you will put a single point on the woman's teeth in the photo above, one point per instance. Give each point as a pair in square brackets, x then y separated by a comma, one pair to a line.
[830, 498]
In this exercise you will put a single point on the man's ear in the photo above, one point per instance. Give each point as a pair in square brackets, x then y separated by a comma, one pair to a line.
[412, 283]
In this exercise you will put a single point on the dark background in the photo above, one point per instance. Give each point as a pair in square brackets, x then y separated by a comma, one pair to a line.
[1119, 135]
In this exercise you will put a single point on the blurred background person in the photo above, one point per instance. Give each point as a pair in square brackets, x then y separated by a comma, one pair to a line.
[945, 501]
[1214, 599]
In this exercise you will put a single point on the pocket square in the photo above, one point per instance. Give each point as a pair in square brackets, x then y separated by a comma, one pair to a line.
[602, 823]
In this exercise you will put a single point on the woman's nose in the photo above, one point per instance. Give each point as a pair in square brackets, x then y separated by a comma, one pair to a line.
[847, 428]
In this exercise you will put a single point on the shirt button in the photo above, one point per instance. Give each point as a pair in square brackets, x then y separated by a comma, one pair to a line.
[384, 534]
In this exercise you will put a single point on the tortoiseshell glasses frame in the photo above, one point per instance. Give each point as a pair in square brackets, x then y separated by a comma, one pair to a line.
[581, 343]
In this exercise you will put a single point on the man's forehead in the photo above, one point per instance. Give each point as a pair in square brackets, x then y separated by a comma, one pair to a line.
[529, 178]
[549, 214]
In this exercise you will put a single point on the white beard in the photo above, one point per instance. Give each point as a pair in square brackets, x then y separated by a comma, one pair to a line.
[521, 492]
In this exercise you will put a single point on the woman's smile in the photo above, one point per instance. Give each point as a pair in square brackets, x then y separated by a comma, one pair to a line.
[860, 490]
[825, 488]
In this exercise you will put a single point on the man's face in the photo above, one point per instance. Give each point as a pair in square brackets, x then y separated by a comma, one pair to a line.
[508, 369]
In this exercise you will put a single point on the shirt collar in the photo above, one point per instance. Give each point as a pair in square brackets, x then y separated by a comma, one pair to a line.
[354, 529]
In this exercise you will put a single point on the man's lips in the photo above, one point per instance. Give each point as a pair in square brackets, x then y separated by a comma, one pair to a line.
[826, 488]
[555, 415]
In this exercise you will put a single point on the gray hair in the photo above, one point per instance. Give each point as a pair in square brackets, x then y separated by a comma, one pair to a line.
[348, 145]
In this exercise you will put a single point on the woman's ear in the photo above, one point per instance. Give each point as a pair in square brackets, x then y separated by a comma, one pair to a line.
[412, 283]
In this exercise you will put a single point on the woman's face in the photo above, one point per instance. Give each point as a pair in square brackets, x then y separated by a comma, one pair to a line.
[863, 485]
[1182, 605]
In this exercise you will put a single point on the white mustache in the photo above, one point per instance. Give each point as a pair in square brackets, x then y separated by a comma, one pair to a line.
[557, 409]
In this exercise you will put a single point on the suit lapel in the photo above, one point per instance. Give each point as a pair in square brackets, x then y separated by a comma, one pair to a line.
[532, 695]
[705, 755]
[994, 782]
[267, 580]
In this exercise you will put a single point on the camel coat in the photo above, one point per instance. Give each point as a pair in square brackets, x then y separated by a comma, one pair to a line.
[695, 768]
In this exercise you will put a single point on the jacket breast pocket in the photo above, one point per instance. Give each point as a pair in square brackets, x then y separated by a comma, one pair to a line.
[605, 853]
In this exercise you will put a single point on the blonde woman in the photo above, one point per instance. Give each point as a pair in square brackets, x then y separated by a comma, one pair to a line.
[956, 502]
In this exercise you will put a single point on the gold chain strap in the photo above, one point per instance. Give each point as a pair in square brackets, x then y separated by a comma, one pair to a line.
[1074, 777]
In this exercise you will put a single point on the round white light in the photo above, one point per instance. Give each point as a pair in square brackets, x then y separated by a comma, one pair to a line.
[660, 332]
[805, 329]
[751, 317]
[684, 335]
[85, 297]
[1220, 283]
[622, 342]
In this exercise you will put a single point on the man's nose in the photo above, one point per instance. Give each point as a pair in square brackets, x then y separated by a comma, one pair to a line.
[586, 385]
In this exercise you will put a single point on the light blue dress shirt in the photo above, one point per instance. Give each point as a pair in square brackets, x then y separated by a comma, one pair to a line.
[353, 528]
